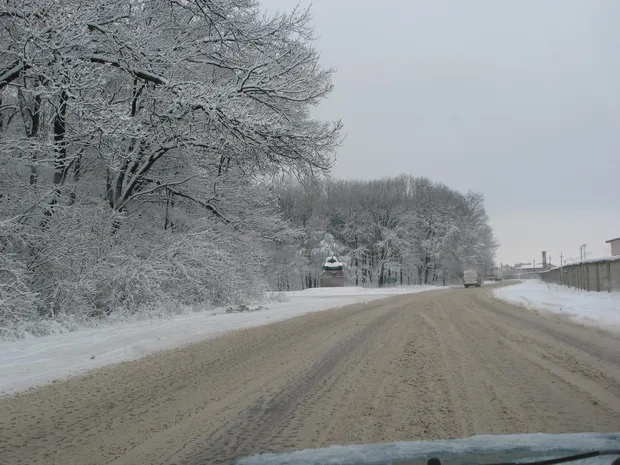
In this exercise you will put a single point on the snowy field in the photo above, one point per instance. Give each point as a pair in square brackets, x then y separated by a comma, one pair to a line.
[34, 361]
[600, 309]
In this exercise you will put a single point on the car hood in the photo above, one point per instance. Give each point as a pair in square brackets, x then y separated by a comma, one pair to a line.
[467, 451]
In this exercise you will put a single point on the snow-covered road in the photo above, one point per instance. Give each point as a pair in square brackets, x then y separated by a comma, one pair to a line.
[445, 364]
[34, 361]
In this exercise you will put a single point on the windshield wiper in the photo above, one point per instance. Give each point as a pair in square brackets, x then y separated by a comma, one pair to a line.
[567, 458]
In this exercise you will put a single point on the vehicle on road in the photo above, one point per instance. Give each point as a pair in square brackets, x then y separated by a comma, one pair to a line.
[332, 274]
[472, 277]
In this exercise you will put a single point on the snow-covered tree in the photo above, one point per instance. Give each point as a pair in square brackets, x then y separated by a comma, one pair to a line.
[139, 141]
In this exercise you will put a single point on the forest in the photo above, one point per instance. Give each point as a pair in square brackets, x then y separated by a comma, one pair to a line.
[163, 155]
[408, 228]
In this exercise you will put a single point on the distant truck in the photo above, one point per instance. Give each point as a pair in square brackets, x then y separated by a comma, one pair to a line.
[471, 277]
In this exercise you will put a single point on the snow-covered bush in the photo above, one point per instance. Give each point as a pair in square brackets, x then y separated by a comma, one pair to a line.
[85, 265]
[17, 301]
[92, 265]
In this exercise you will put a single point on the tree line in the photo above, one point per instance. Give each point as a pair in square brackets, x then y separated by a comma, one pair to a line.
[406, 228]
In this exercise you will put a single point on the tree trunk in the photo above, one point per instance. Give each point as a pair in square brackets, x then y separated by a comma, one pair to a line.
[60, 147]
[169, 204]
[427, 261]
[34, 133]
[32, 123]
[60, 132]
[357, 268]
[364, 268]
[1, 112]
[77, 166]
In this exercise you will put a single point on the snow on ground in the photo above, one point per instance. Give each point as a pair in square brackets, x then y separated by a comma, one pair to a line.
[30, 362]
[595, 308]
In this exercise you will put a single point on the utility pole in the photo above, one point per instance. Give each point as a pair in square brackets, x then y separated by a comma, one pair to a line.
[581, 253]
[584, 251]
[561, 269]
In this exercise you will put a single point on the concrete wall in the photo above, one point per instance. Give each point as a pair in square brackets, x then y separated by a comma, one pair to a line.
[599, 276]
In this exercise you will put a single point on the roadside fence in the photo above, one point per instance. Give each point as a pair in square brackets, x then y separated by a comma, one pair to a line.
[598, 275]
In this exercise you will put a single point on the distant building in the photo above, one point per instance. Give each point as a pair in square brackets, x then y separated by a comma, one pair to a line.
[528, 268]
[532, 268]
[615, 245]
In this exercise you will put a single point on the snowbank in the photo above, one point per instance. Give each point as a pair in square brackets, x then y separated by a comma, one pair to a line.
[358, 292]
[595, 308]
[30, 362]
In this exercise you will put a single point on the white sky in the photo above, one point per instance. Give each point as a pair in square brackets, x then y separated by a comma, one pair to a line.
[519, 100]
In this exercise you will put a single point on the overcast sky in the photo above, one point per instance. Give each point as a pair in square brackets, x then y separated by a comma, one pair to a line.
[519, 100]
